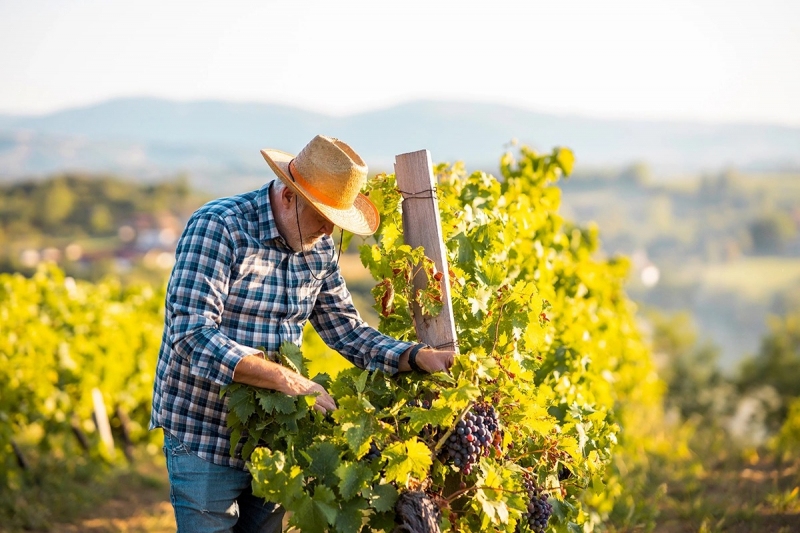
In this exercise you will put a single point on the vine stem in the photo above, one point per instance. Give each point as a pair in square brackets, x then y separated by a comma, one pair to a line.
[457, 494]
[497, 327]
[443, 440]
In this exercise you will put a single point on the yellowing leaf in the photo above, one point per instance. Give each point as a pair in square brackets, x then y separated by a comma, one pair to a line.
[411, 458]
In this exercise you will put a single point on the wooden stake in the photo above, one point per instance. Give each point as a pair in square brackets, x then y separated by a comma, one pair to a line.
[101, 421]
[83, 440]
[21, 460]
[125, 426]
[422, 227]
[416, 512]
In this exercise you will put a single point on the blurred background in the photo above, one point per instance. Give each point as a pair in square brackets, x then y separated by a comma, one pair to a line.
[118, 119]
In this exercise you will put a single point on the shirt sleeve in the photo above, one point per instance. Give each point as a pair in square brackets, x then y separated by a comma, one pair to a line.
[196, 298]
[338, 323]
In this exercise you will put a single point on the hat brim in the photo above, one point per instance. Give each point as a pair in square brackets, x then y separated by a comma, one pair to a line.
[361, 219]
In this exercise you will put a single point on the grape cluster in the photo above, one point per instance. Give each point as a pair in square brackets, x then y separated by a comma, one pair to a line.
[425, 404]
[373, 453]
[473, 437]
[539, 509]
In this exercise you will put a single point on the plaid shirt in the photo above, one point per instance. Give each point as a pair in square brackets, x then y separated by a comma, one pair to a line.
[236, 285]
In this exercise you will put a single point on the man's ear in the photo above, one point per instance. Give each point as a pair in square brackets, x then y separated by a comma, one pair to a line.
[287, 195]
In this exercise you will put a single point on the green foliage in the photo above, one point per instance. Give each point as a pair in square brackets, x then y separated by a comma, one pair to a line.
[771, 232]
[62, 339]
[75, 205]
[777, 363]
[547, 336]
[695, 385]
[788, 438]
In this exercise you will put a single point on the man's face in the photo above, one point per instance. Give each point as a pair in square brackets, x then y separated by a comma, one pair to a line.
[312, 225]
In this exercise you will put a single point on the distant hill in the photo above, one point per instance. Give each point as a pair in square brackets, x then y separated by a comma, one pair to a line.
[217, 143]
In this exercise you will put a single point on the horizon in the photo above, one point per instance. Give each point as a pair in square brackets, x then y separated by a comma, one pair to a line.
[330, 114]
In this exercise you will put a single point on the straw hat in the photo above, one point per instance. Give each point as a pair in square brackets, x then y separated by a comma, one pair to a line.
[328, 174]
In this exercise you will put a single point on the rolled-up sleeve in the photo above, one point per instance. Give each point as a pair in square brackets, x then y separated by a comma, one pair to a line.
[196, 300]
[338, 323]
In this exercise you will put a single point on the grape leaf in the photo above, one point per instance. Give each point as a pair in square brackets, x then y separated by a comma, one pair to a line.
[316, 513]
[272, 401]
[405, 459]
[324, 462]
[350, 515]
[353, 478]
[436, 416]
[240, 400]
[293, 356]
[381, 497]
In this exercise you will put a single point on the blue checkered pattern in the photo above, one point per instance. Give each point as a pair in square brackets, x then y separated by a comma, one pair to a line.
[237, 285]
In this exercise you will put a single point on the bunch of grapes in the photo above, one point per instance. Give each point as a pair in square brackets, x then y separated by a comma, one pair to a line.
[539, 509]
[473, 437]
[373, 453]
[425, 404]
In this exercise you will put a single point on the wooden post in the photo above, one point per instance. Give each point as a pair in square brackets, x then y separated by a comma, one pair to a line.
[101, 421]
[415, 511]
[125, 427]
[422, 227]
[83, 440]
[21, 460]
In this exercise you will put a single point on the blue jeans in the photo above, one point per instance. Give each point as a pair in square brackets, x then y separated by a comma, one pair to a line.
[210, 498]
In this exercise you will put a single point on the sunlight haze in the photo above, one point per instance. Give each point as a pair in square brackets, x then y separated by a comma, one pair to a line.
[675, 60]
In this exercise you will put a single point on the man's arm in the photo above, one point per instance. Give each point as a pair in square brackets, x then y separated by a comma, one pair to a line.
[258, 372]
[197, 294]
[337, 321]
[196, 299]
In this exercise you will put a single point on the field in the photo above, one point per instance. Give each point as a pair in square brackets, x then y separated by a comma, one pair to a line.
[755, 278]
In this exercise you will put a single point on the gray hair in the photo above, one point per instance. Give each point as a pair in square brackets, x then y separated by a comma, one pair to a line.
[278, 185]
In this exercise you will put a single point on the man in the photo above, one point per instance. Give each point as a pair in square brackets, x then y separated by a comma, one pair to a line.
[251, 270]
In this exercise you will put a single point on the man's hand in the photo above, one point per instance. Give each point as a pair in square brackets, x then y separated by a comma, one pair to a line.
[295, 385]
[255, 370]
[429, 359]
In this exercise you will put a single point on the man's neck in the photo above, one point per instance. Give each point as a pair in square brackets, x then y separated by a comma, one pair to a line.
[277, 214]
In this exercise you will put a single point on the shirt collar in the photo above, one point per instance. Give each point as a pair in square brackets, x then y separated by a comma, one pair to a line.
[268, 230]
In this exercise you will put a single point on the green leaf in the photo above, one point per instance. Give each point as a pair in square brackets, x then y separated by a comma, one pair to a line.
[466, 254]
[349, 517]
[361, 382]
[382, 497]
[406, 459]
[465, 392]
[236, 436]
[324, 462]
[354, 477]
[323, 379]
[252, 441]
[316, 513]
[358, 435]
[430, 302]
[565, 159]
[419, 417]
[273, 401]
[241, 402]
[274, 479]
[292, 355]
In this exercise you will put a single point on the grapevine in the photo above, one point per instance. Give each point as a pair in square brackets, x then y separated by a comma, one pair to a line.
[539, 509]
[544, 330]
[474, 436]
[61, 339]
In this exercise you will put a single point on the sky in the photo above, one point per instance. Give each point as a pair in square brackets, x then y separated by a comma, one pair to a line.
[699, 60]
